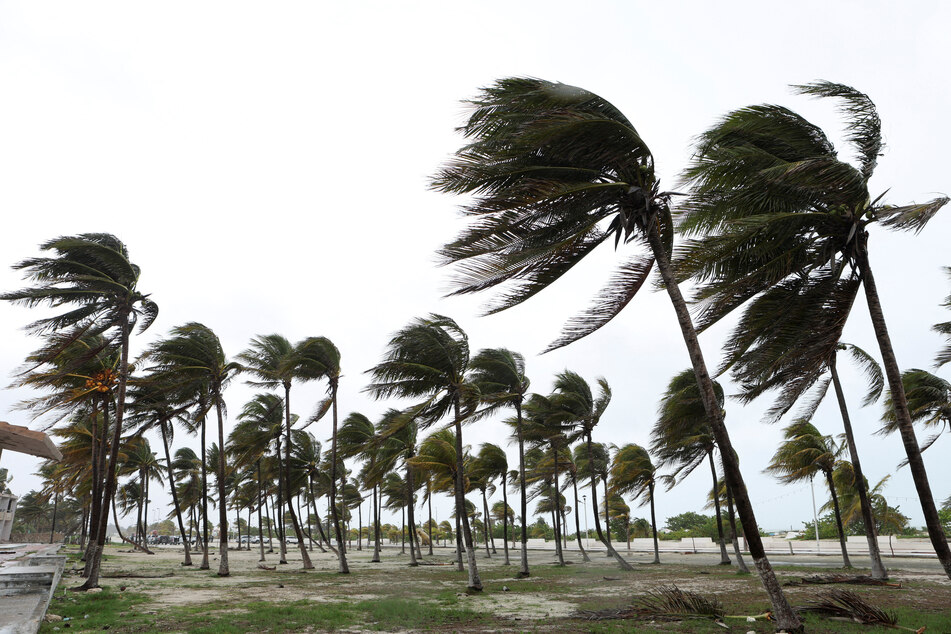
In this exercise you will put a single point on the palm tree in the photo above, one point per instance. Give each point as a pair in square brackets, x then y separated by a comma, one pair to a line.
[355, 440]
[804, 453]
[776, 206]
[320, 358]
[429, 359]
[633, 473]
[437, 458]
[944, 328]
[151, 404]
[929, 402]
[396, 441]
[259, 428]
[500, 376]
[491, 463]
[92, 275]
[575, 400]
[555, 172]
[276, 363]
[192, 359]
[682, 437]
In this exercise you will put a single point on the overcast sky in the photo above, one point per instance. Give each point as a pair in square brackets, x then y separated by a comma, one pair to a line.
[266, 165]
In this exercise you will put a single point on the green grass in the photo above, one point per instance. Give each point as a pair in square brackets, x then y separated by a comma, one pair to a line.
[95, 611]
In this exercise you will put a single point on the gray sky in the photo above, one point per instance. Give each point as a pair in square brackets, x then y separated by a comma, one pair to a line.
[267, 169]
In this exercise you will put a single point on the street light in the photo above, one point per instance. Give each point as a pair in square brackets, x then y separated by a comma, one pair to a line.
[587, 533]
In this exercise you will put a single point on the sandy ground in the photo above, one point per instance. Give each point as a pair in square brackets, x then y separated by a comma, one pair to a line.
[171, 584]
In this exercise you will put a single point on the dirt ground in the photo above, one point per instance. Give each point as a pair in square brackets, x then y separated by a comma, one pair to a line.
[550, 600]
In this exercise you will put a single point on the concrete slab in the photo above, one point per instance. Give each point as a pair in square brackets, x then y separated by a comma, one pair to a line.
[26, 587]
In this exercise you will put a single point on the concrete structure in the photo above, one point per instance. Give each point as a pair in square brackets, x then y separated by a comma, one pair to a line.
[22, 440]
[8, 505]
[26, 587]
[25, 440]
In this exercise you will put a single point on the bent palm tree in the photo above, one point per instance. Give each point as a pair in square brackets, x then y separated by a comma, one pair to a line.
[92, 275]
[776, 206]
[929, 402]
[429, 359]
[944, 328]
[320, 358]
[192, 360]
[577, 403]
[557, 171]
[633, 473]
[275, 363]
[804, 453]
[500, 376]
[682, 437]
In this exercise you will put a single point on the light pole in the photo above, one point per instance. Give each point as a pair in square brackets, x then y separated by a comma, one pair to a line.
[587, 533]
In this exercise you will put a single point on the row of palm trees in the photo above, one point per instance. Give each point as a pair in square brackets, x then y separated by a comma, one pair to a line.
[773, 221]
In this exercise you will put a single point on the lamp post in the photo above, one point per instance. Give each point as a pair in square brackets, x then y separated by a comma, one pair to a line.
[584, 503]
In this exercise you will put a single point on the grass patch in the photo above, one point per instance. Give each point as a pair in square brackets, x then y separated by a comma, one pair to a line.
[96, 611]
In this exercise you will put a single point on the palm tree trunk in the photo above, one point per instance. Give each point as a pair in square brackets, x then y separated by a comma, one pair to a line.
[459, 565]
[111, 481]
[376, 529]
[505, 522]
[360, 526]
[403, 530]
[96, 489]
[485, 524]
[475, 583]
[223, 569]
[341, 551]
[559, 553]
[175, 503]
[594, 504]
[321, 537]
[301, 542]
[734, 533]
[607, 517]
[584, 555]
[782, 611]
[205, 565]
[654, 526]
[838, 520]
[724, 558]
[267, 510]
[429, 526]
[917, 466]
[412, 524]
[260, 503]
[871, 534]
[523, 503]
[278, 510]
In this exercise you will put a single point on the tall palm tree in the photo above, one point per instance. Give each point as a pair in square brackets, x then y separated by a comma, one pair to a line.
[396, 441]
[192, 359]
[555, 172]
[788, 339]
[258, 430]
[429, 359]
[493, 463]
[633, 473]
[153, 404]
[92, 276]
[804, 453]
[320, 358]
[275, 363]
[775, 205]
[576, 402]
[682, 437]
[355, 439]
[500, 377]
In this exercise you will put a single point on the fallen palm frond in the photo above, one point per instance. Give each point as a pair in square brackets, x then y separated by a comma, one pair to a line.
[846, 605]
[667, 603]
[862, 580]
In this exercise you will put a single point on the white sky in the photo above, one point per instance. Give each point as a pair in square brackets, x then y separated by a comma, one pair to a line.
[267, 169]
